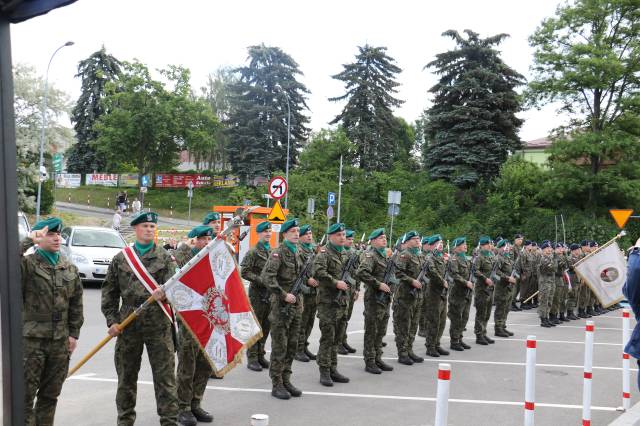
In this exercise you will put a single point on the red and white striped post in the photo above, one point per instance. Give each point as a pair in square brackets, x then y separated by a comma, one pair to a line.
[588, 363]
[530, 382]
[626, 373]
[442, 396]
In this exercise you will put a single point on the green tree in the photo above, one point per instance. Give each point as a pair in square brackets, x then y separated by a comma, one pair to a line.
[471, 127]
[367, 118]
[587, 60]
[324, 150]
[257, 123]
[202, 129]
[95, 72]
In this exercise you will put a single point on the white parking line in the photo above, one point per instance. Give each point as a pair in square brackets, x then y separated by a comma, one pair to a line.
[368, 396]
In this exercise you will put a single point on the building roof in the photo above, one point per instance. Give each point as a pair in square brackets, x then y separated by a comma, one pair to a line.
[541, 143]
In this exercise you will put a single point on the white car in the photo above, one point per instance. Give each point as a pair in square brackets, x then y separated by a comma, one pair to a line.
[91, 249]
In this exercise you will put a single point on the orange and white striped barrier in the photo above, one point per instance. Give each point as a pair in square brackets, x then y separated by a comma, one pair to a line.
[626, 372]
[588, 364]
[530, 382]
[442, 396]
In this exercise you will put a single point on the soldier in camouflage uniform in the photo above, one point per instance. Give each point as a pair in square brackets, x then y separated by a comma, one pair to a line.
[122, 293]
[306, 248]
[460, 293]
[213, 220]
[250, 270]
[353, 254]
[506, 270]
[332, 303]
[425, 254]
[525, 260]
[193, 367]
[559, 305]
[536, 258]
[483, 294]
[572, 298]
[584, 294]
[436, 297]
[52, 317]
[407, 301]
[279, 274]
[546, 283]
[517, 250]
[371, 272]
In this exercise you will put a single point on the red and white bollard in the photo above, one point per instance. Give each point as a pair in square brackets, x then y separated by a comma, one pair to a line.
[442, 396]
[530, 382]
[626, 373]
[588, 363]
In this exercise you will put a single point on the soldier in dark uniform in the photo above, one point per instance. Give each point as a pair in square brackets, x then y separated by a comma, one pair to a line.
[52, 317]
[350, 253]
[332, 303]
[460, 293]
[307, 249]
[259, 295]
[193, 367]
[483, 294]
[371, 272]
[506, 271]
[436, 297]
[279, 274]
[122, 293]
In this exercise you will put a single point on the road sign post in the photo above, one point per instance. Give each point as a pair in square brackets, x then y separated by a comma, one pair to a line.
[190, 195]
[276, 215]
[311, 206]
[58, 160]
[278, 187]
[331, 199]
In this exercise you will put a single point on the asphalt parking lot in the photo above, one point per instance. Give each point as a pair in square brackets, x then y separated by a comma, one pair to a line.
[487, 382]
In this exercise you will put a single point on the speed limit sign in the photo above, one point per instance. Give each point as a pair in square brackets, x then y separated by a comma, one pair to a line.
[278, 187]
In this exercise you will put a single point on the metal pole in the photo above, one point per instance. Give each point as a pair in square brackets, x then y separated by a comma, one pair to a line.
[190, 207]
[42, 130]
[10, 288]
[286, 96]
[339, 189]
[391, 232]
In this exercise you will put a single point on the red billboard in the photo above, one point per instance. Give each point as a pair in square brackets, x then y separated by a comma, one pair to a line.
[182, 180]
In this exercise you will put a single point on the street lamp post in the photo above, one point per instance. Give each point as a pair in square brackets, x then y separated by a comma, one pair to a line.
[286, 196]
[42, 131]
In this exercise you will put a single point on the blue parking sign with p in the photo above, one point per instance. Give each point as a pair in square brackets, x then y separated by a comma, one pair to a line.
[331, 199]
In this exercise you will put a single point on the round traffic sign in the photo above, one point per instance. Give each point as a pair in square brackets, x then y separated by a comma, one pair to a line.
[278, 187]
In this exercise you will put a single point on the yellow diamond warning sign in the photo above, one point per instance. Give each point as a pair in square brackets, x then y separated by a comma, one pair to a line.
[621, 216]
[276, 215]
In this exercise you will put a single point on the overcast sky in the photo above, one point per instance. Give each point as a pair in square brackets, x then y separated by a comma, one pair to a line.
[320, 36]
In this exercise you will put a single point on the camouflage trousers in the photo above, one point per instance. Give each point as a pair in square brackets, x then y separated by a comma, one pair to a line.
[307, 320]
[343, 332]
[193, 371]
[483, 301]
[505, 294]
[559, 297]
[332, 319]
[262, 309]
[423, 312]
[285, 330]
[153, 331]
[459, 306]
[572, 297]
[406, 315]
[376, 319]
[435, 316]
[528, 287]
[584, 296]
[45, 362]
[546, 286]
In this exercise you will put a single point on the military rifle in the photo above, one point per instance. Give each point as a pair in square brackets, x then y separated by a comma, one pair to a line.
[382, 297]
[345, 275]
[299, 283]
[421, 277]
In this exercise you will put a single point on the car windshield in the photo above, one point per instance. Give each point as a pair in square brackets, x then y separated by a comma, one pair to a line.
[95, 238]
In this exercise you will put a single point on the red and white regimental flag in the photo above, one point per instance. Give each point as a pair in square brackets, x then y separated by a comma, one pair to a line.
[209, 296]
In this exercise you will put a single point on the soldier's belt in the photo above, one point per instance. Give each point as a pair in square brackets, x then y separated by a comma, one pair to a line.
[51, 317]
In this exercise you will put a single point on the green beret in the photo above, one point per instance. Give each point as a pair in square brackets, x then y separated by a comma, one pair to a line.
[54, 224]
[350, 233]
[425, 240]
[291, 223]
[201, 231]
[305, 229]
[459, 241]
[502, 243]
[263, 226]
[210, 217]
[409, 235]
[145, 217]
[376, 233]
[435, 238]
[484, 240]
[336, 227]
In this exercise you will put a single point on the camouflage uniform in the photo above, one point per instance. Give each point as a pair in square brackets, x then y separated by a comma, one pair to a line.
[505, 291]
[436, 297]
[51, 313]
[459, 296]
[546, 283]
[194, 369]
[483, 293]
[526, 261]
[574, 291]
[332, 304]
[250, 269]
[310, 295]
[151, 329]
[559, 305]
[279, 274]
[407, 302]
[371, 271]
[516, 253]
[354, 287]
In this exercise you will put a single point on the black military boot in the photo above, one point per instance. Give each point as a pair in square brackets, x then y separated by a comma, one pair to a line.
[581, 313]
[254, 366]
[280, 392]
[309, 354]
[480, 340]
[464, 345]
[415, 358]
[342, 350]
[554, 320]
[432, 352]
[349, 348]
[404, 359]
[562, 317]
[442, 351]
[383, 365]
[489, 340]
[589, 312]
[325, 377]
[337, 377]
[372, 367]
[456, 346]
[301, 356]
[571, 315]
[422, 333]
[201, 415]
[293, 391]
[515, 308]
[186, 418]
[544, 322]
[508, 332]
[501, 333]
[263, 361]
